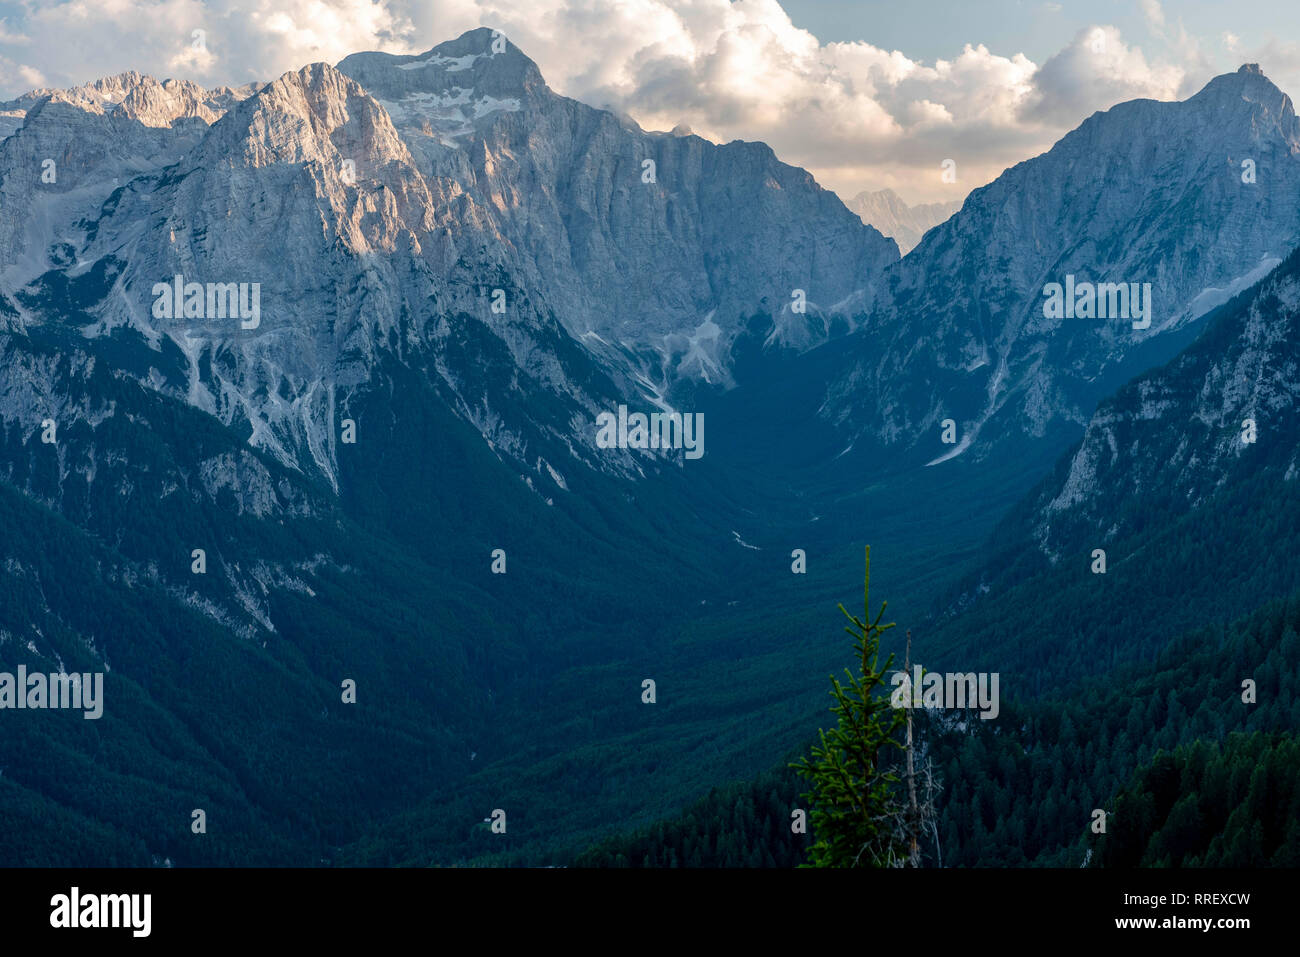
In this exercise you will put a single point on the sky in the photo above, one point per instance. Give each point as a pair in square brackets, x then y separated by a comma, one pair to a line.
[865, 94]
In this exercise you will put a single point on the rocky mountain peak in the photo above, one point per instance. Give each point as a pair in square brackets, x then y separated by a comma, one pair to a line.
[1194, 200]
[136, 96]
[314, 113]
[1250, 84]
[886, 211]
[477, 62]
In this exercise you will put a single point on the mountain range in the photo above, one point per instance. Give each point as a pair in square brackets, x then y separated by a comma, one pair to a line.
[392, 471]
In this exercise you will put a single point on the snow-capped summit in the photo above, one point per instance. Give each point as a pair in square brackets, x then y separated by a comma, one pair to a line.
[652, 249]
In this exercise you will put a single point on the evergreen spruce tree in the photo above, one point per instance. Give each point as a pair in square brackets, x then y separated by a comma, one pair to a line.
[854, 807]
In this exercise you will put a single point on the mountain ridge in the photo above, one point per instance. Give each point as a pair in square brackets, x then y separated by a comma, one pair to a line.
[886, 211]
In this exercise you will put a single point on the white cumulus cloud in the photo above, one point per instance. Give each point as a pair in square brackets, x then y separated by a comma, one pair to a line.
[857, 115]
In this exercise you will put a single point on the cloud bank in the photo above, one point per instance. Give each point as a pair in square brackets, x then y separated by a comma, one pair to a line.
[858, 116]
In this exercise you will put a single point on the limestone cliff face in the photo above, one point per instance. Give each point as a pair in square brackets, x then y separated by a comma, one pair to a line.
[1196, 198]
[379, 206]
[885, 210]
[1223, 412]
[651, 247]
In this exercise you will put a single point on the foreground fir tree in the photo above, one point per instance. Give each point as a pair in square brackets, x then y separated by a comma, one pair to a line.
[854, 808]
